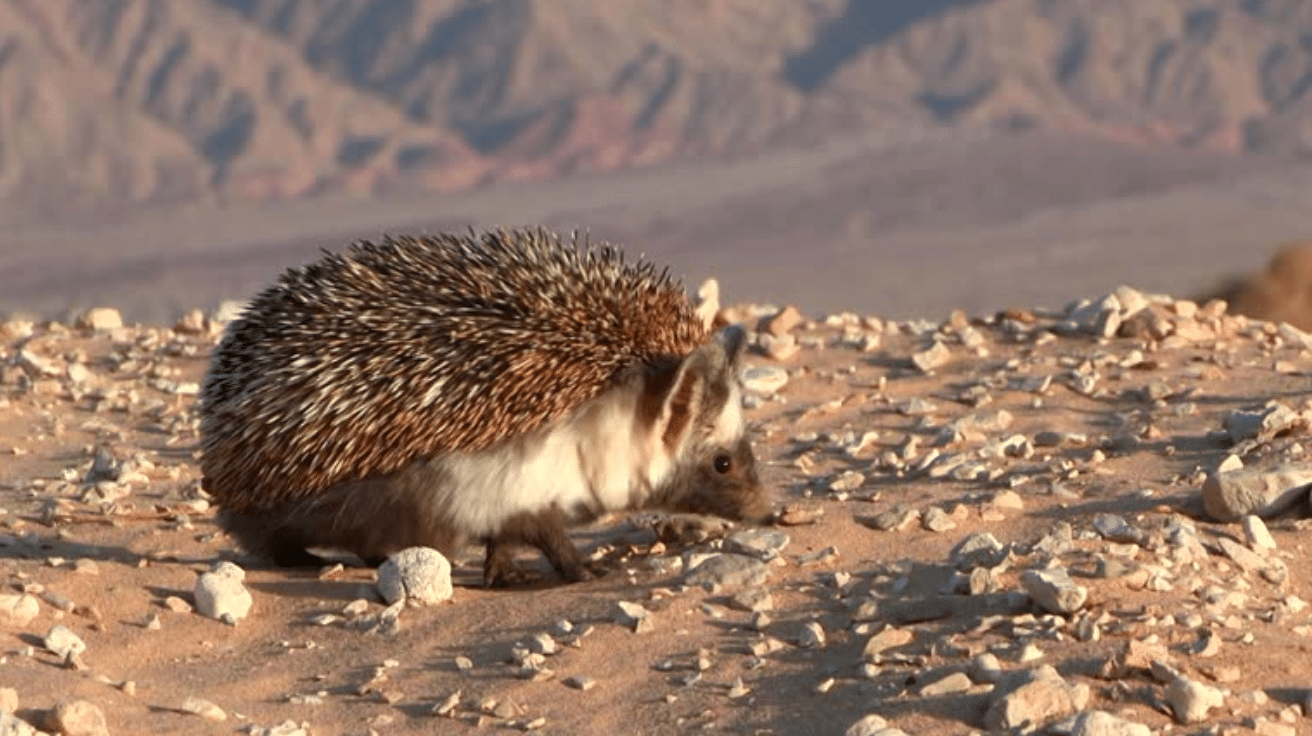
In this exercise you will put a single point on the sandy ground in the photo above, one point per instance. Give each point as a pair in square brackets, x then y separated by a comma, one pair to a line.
[1126, 426]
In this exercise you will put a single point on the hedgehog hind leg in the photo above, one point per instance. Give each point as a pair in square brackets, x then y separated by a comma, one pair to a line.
[544, 530]
[268, 538]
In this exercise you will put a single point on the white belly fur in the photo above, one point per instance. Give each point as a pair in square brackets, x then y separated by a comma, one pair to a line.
[598, 458]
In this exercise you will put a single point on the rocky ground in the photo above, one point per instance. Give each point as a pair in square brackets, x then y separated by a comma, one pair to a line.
[1086, 522]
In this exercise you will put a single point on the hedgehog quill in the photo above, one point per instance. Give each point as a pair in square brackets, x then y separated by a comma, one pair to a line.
[498, 388]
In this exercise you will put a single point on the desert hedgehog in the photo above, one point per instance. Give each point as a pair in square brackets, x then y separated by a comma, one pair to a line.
[495, 387]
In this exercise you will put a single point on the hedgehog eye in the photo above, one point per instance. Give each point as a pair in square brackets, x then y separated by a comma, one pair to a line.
[722, 463]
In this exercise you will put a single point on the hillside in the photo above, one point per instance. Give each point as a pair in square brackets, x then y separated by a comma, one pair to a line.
[124, 102]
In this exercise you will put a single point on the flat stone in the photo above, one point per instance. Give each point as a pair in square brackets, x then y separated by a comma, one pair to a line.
[1098, 723]
[957, 682]
[1265, 492]
[761, 543]
[766, 379]
[724, 571]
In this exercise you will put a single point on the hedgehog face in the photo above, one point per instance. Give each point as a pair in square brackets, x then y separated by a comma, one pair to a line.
[722, 481]
[701, 426]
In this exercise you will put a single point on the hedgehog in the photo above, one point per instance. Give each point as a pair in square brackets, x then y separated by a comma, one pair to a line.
[495, 388]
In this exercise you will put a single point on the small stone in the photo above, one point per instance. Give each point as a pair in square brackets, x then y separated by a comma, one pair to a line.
[986, 668]
[580, 683]
[1138, 656]
[100, 319]
[1049, 438]
[1115, 528]
[1256, 534]
[761, 543]
[286, 728]
[203, 708]
[1191, 700]
[11, 725]
[1265, 492]
[871, 725]
[1032, 697]
[62, 642]
[783, 321]
[936, 356]
[936, 519]
[1053, 590]
[1271, 728]
[779, 348]
[1271, 420]
[220, 594]
[886, 639]
[752, 600]
[421, 576]
[1099, 723]
[191, 323]
[812, 636]
[957, 682]
[17, 611]
[635, 616]
[978, 549]
[719, 572]
[78, 718]
[764, 379]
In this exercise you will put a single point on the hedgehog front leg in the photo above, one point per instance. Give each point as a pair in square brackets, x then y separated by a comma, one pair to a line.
[544, 530]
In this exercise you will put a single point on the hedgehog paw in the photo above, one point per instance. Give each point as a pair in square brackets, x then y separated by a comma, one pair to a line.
[508, 575]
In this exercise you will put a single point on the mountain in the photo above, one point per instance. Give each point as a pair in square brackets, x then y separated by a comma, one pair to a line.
[107, 104]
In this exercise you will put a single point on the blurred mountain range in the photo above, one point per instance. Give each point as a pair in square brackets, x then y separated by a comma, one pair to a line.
[112, 103]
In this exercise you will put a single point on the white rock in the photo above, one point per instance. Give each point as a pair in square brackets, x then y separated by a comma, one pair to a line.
[61, 641]
[1031, 697]
[17, 611]
[221, 595]
[1054, 590]
[1099, 723]
[100, 319]
[11, 725]
[1191, 700]
[78, 718]
[1265, 492]
[764, 379]
[420, 575]
[1256, 533]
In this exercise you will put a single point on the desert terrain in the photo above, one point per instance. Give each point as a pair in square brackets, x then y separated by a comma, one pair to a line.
[992, 522]
[1024, 289]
